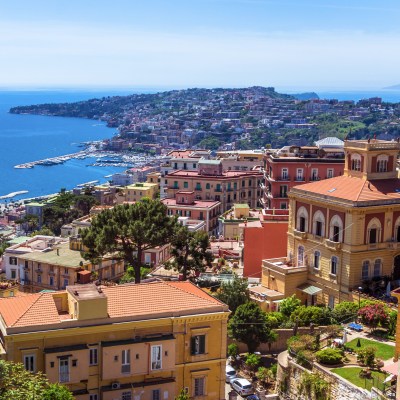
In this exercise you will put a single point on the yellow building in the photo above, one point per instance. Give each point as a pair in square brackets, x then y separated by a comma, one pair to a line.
[45, 262]
[344, 232]
[145, 341]
[138, 191]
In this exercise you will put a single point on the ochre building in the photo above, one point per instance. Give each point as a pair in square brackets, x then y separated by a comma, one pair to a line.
[147, 341]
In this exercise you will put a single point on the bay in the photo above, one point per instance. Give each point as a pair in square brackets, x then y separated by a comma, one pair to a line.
[25, 138]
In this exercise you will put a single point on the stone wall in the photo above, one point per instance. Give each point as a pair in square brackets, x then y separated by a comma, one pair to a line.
[290, 374]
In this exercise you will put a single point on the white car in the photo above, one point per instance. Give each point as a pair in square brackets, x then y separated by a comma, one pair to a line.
[242, 386]
[230, 373]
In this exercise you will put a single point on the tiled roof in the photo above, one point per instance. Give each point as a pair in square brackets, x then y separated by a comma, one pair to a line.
[144, 301]
[196, 203]
[354, 189]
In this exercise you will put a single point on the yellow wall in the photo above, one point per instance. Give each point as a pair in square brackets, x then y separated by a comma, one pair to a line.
[177, 361]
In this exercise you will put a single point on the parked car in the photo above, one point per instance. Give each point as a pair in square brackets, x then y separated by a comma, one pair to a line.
[242, 386]
[230, 373]
[253, 397]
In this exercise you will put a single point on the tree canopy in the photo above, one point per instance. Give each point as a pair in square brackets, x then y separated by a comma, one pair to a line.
[248, 325]
[16, 383]
[189, 251]
[234, 293]
[289, 305]
[128, 230]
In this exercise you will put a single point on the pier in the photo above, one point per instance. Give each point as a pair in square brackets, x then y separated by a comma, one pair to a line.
[55, 160]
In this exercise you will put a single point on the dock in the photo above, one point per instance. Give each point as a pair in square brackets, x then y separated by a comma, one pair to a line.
[55, 160]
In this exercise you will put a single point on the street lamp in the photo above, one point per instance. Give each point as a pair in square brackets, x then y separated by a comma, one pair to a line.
[359, 296]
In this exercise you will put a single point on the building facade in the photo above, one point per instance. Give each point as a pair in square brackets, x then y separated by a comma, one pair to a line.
[294, 165]
[343, 232]
[146, 341]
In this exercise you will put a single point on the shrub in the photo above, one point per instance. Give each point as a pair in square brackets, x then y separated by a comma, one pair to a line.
[233, 350]
[345, 311]
[366, 356]
[289, 305]
[303, 342]
[312, 315]
[329, 356]
[305, 358]
[374, 315]
[253, 361]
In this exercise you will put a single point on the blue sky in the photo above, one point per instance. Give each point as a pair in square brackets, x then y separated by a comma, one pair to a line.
[311, 44]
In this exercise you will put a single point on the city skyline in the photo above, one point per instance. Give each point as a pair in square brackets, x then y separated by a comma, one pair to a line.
[203, 43]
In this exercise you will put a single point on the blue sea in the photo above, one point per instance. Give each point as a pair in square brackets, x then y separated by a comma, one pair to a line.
[25, 138]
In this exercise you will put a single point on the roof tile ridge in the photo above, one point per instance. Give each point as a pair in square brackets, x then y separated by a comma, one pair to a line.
[360, 191]
[193, 294]
[30, 306]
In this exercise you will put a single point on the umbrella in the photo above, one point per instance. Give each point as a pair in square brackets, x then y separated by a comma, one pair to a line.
[344, 339]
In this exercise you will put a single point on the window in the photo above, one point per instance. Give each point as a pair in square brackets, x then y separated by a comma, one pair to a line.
[302, 219]
[329, 174]
[93, 396]
[13, 260]
[51, 280]
[64, 370]
[314, 174]
[199, 387]
[185, 185]
[319, 224]
[285, 174]
[334, 263]
[235, 185]
[29, 363]
[66, 282]
[373, 235]
[331, 302]
[300, 256]
[299, 174]
[194, 165]
[335, 236]
[156, 357]
[207, 186]
[126, 361]
[198, 344]
[283, 191]
[355, 162]
[382, 163]
[155, 394]
[93, 356]
[126, 396]
[13, 274]
[39, 278]
[377, 267]
[317, 257]
[283, 206]
[365, 270]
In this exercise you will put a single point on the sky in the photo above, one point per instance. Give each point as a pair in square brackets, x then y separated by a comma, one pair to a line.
[305, 44]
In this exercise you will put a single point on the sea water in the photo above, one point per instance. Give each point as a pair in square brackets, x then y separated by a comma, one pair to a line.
[25, 138]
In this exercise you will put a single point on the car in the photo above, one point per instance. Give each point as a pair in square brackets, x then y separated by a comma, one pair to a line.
[242, 386]
[253, 397]
[230, 373]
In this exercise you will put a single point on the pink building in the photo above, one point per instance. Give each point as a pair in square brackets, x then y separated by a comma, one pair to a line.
[185, 205]
[294, 165]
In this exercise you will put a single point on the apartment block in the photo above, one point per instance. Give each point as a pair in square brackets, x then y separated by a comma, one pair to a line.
[147, 341]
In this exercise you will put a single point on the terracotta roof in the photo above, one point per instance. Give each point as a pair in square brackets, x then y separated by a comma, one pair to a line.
[354, 189]
[156, 297]
[197, 203]
[143, 301]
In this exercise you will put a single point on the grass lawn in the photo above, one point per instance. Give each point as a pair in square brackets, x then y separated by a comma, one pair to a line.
[384, 351]
[352, 375]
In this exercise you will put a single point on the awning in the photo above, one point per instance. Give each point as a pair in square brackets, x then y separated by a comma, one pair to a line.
[392, 368]
[309, 289]
[278, 301]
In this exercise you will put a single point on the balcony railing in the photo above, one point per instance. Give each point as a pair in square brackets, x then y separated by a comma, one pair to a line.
[283, 178]
[300, 179]
[299, 234]
[330, 244]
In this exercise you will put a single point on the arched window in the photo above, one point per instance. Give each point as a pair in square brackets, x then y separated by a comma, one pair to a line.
[365, 270]
[334, 265]
[300, 256]
[317, 259]
[374, 231]
[336, 229]
[396, 237]
[382, 163]
[377, 267]
[355, 162]
[319, 224]
[302, 219]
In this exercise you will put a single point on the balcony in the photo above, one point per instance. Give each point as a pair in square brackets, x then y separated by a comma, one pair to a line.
[300, 179]
[299, 234]
[283, 178]
[330, 244]
[394, 245]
